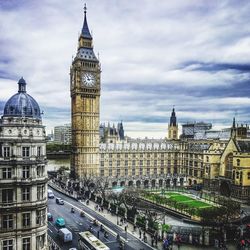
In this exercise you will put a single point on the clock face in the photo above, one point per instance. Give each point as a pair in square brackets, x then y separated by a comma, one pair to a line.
[88, 79]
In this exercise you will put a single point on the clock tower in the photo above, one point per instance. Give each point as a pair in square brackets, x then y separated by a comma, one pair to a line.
[85, 102]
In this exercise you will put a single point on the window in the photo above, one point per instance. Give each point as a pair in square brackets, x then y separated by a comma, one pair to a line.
[155, 162]
[110, 163]
[102, 172]
[26, 244]
[162, 163]
[8, 245]
[102, 163]
[6, 173]
[148, 163]
[141, 162]
[40, 217]
[148, 171]
[26, 172]
[133, 162]
[126, 162]
[7, 221]
[155, 170]
[118, 163]
[141, 171]
[126, 171]
[26, 152]
[40, 240]
[26, 219]
[133, 171]
[238, 162]
[118, 171]
[110, 172]
[126, 155]
[162, 170]
[39, 171]
[6, 152]
[26, 194]
[40, 192]
[39, 151]
[7, 195]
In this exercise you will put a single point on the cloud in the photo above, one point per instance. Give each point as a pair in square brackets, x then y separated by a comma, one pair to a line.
[154, 54]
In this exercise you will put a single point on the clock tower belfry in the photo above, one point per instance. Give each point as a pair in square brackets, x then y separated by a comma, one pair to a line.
[85, 82]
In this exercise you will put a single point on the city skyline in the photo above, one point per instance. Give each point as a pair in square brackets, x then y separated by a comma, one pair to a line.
[153, 55]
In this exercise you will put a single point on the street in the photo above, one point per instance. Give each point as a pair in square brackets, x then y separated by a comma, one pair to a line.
[76, 224]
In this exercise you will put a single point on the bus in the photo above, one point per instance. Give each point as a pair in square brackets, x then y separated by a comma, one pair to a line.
[89, 242]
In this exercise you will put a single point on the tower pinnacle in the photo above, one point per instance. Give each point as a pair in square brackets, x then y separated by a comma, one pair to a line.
[85, 29]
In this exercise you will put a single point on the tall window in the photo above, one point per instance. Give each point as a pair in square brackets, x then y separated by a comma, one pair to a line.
[26, 244]
[229, 165]
[39, 171]
[40, 192]
[6, 173]
[26, 151]
[6, 152]
[40, 240]
[40, 217]
[110, 171]
[26, 172]
[39, 151]
[7, 221]
[26, 194]
[7, 195]
[8, 245]
[26, 219]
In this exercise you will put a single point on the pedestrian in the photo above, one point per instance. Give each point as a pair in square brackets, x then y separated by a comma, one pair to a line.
[139, 233]
[126, 228]
[152, 241]
[98, 232]
[134, 227]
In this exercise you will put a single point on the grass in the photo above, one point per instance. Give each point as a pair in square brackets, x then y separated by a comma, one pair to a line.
[180, 198]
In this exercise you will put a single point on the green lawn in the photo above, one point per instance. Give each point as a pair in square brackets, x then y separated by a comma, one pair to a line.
[189, 201]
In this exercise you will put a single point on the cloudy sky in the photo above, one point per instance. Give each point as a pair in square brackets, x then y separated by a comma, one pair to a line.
[154, 54]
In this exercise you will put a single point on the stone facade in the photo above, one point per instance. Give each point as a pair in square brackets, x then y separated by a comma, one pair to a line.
[85, 107]
[23, 175]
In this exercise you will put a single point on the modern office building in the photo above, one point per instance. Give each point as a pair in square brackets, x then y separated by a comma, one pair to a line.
[23, 175]
[62, 134]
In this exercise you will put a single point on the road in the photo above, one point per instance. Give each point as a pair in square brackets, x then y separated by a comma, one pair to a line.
[76, 224]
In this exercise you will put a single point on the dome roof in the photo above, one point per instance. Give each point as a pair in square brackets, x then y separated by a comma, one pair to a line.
[22, 104]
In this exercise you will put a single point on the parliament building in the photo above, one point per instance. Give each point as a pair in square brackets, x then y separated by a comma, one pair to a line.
[221, 164]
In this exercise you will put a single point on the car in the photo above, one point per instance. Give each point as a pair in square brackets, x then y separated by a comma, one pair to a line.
[50, 194]
[50, 217]
[60, 222]
[59, 201]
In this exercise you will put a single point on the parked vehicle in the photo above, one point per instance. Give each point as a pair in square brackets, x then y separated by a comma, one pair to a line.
[60, 222]
[65, 235]
[82, 214]
[50, 217]
[59, 201]
[50, 194]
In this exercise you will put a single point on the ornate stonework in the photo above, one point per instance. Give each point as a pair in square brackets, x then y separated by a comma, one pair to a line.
[85, 101]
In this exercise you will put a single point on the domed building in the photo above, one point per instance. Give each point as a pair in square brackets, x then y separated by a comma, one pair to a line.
[23, 175]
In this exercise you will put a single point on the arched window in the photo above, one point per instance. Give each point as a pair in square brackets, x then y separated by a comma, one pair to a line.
[238, 162]
[229, 166]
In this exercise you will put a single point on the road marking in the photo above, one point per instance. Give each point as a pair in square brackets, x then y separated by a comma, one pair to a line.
[50, 230]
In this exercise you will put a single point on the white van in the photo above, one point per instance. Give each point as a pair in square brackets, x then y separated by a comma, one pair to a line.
[50, 194]
[65, 235]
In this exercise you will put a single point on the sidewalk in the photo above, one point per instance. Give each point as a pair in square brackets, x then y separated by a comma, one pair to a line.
[130, 227]
[114, 219]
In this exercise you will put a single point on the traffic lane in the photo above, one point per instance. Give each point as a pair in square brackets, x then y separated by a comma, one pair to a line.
[75, 223]
[56, 212]
[132, 241]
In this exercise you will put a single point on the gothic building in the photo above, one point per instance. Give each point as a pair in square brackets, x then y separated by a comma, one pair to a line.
[217, 160]
[23, 175]
[85, 75]
[173, 127]
[112, 134]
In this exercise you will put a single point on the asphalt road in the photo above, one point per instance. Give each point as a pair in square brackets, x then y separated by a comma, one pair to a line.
[76, 224]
